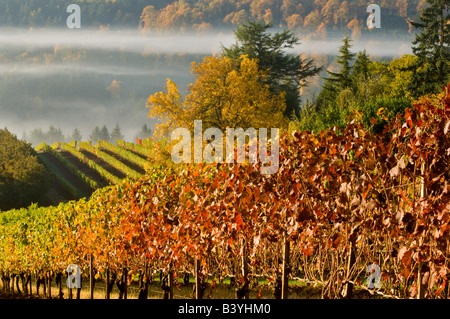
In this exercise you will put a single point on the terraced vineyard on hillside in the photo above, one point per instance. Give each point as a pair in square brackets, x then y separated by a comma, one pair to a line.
[78, 170]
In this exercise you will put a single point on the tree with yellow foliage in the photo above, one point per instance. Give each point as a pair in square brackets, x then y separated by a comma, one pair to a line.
[168, 108]
[222, 96]
[148, 17]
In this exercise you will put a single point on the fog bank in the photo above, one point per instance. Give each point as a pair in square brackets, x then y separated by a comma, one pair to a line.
[41, 84]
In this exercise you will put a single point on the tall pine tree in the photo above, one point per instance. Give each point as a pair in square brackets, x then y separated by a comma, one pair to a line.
[338, 81]
[286, 71]
[95, 135]
[116, 134]
[360, 69]
[432, 47]
[104, 134]
[76, 135]
[144, 132]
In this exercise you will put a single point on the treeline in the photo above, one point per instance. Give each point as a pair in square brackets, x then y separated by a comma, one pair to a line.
[307, 15]
[55, 135]
[52, 13]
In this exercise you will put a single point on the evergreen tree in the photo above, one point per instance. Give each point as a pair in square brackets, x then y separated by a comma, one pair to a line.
[342, 78]
[116, 134]
[144, 132]
[54, 135]
[104, 134]
[286, 72]
[36, 137]
[76, 135]
[432, 47]
[360, 69]
[338, 81]
[95, 136]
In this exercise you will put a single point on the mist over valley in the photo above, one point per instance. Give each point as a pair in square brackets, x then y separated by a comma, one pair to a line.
[86, 78]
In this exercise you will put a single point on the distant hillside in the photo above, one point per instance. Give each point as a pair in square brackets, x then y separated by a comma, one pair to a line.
[307, 16]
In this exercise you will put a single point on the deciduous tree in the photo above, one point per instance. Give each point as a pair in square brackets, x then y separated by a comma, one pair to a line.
[22, 177]
[223, 95]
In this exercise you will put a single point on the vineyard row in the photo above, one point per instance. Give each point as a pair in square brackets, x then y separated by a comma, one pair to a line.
[110, 160]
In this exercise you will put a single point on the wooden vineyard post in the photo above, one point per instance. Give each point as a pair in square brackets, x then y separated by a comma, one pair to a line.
[350, 263]
[245, 269]
[78, 293]
[447, 288]
[17, 283]
[59, 283]
[6, 287]
[31, 283]
[143, 282]
[285, 281]
[79, 289]
[69, 290]
[49, 285]
[147, 278]
[125, 283]
[11, 283]
[108, 293]
[420, 288]
[197, 279]
[423, 193]
[91, 276]
[44, 283]
[170, 283]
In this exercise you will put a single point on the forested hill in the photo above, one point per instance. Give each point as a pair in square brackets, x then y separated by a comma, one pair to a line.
[306, 15]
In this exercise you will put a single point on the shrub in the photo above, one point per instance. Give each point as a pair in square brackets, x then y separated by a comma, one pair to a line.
[23, 178]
